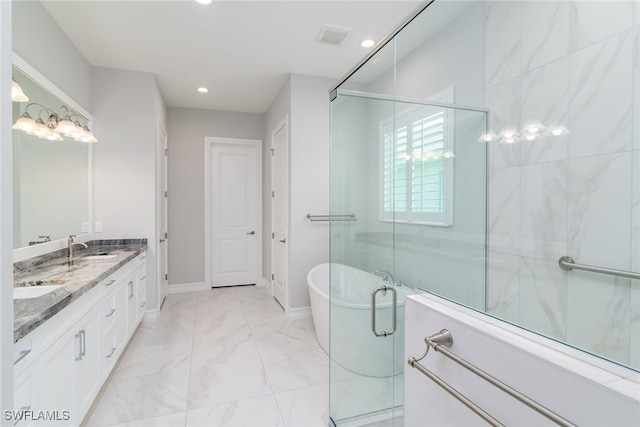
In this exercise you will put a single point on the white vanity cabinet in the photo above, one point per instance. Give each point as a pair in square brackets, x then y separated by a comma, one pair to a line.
[68, 358]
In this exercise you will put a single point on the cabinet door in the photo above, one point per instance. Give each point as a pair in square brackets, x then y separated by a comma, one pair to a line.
[55, 372]
[86, 369]
[132, 308]
[141, 292]
[25, 398]
[121, 326]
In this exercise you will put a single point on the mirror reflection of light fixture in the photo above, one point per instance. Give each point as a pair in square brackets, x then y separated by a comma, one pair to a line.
[17, 95]
[556, 130]
[55, 126]
[488, 136]
[532, 130]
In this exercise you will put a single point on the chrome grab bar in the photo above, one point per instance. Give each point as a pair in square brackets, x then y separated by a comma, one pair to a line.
[333, 217]
[443, 339]
[567, 264]
[374, 292]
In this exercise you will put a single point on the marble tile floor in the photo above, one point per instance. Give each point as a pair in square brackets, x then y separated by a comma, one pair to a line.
[221, 357]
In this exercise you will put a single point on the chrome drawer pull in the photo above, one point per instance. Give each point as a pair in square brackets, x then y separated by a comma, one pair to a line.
[22, 355]
[110, 282]
[143, 304]
[113, 350]
[113, 310]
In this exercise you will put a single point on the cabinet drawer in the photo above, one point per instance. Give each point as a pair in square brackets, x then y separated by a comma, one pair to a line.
[109, 311]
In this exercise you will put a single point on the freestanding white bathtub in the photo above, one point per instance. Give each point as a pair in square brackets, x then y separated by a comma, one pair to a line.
[352, 343]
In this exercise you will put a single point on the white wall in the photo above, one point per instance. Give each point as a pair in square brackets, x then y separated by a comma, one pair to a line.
[186, 129]
[309, 181]
[305, 99]
[125, 106]
[581, 388]
[38, 39]
[6, 213]
[278, 110]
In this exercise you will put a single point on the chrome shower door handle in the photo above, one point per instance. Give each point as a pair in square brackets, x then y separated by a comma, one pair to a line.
[374, 292]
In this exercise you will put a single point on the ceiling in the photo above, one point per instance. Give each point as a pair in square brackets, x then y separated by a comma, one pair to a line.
[242, 51]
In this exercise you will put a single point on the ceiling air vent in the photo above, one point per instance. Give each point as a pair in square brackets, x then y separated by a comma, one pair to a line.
[332, 34]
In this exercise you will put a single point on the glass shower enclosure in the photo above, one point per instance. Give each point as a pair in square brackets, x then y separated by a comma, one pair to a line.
[470, 153]
[413, 175]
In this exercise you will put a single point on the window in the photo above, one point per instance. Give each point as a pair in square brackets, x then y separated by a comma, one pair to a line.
[417, 165]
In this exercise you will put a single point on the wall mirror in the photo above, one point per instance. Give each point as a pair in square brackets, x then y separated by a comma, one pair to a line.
[51, 178]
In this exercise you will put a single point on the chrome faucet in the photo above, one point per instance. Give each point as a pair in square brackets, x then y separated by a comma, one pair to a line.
[70, 243]
[386, 276]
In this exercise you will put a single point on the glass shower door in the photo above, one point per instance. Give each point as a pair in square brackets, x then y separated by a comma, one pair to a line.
[408, 191]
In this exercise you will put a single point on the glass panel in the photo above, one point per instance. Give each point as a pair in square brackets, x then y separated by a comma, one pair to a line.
[381, 151]
[362, 375]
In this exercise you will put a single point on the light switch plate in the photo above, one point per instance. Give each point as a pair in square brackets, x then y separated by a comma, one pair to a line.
[85, 227]
[98, 227]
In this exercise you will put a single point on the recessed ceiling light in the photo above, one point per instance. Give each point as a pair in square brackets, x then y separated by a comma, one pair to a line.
[204, 1]
[367, 43]
[203, 89]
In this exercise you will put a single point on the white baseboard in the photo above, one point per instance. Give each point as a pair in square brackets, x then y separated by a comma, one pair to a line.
[187, 287]
[266, 283]
[299, 313]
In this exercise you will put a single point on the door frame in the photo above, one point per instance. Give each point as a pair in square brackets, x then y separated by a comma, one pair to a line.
[284, 123]
[162, 221]
[209, 142]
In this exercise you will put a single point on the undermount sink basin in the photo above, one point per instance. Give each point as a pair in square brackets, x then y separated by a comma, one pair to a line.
[95, 257]
[23, 292]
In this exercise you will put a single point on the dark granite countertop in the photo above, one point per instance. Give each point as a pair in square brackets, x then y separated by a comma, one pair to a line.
[76, 278]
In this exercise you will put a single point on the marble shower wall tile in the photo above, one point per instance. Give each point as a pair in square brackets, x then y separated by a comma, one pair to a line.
[502, 41]
[545, 97]
[547, 32]
[598, 316]
[599, 210]
[543, 297]
[504, 210]
[600, 102]
[503, 286]
[635, 213]
[586, 23]
[636, 83]
[504, 101]
[634, 324]
[543, 207]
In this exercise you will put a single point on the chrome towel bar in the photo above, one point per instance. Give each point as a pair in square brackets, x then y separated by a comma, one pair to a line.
[443, 339]
[567, 264]
[345, 217]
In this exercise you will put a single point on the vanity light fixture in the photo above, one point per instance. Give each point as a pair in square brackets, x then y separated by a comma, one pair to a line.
[55, 126]
[203, 89]
[17, 95]
[204, 2]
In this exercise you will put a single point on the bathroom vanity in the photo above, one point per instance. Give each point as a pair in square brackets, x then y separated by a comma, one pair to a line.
[72, 321]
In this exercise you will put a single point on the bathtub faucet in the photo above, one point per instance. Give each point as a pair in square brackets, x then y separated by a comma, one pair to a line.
[386, 276]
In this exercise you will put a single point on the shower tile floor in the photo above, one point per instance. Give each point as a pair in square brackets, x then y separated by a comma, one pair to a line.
[221, 357]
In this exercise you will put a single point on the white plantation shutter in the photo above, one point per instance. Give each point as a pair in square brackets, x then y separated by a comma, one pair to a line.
[415, 169]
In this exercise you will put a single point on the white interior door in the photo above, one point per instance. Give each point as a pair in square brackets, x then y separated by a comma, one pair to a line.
[163, 258]
[280, 212]
[234, 208]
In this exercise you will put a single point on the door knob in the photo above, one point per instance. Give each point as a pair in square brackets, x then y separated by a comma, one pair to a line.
[251, 233]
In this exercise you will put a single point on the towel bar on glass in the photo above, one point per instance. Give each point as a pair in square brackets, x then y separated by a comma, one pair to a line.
[567, 264]
[444, 339]
[345, 217]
